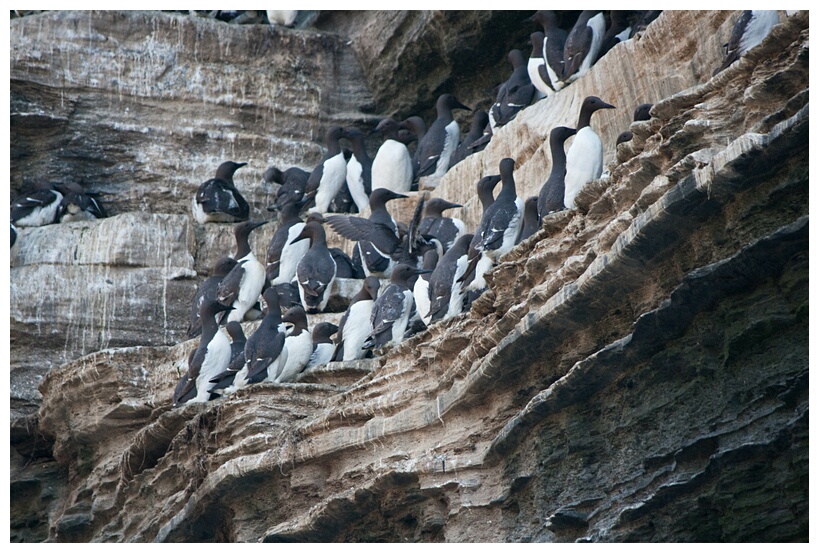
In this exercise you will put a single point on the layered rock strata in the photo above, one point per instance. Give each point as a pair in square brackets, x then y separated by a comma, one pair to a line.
[638, 369]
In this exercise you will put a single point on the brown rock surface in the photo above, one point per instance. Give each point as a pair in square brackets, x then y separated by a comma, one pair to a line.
[638, 370]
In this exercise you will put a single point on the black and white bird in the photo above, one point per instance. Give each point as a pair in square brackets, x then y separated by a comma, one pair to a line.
[38, 207]
[441, 140]
[298, 343]
[550, 198]
[207, 291]
[265, 353]
[434, 224]
[582, 45]
[237, 360]
[420, 289]
[211, 358]
[749, 30]
[185, 389]
[584, 160]
[286, 18]
[498, 230]
[359, 170]
[323, 346]
[392, 309]
[283, 254]
[377, 236]
[292, 184]
[480, 119]
[619, 31]
[514, 94]
[78, 205]
[536, 66]
[392, 165]
[554, 41]
[217, 200]
[446, 293]
[329, 176]
[355, 326]
[241, 287]
[316, 270]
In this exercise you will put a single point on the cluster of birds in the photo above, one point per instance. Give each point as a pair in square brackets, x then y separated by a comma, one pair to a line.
[434, 268]
[49, 203]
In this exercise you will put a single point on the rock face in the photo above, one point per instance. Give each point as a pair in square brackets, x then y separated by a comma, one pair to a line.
[638, 370]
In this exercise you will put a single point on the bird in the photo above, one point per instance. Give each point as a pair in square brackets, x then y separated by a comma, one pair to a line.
[323, 346]
[446, 293]
[619, 31]
[359, 169]
[642, 22]
[207, 290]
[377, 235]
[530, 219]
[265, 353]
[514, 94]
[582, 45]
[412, 130]
[554, 41]
[392, 309]
[217, 200]
[282, 17]
[38, 207]
[551, 194]
[283, 254]
[13, 235]
[584, 160]
[212, 356]
[498, 229]
[441, 140]
[749, 30]
[445, 229]
[641, 113]
[237, 360]
[329, 176]
[536, 66]
[316, 270]
[392, 165]
[241, 287]
[485, 190]
[480, 119]
[345, 268]
[298, 343]
[77, 205]
[355, 326]
[288, 294]
[185, 389]
[420, 289]
[292, 181]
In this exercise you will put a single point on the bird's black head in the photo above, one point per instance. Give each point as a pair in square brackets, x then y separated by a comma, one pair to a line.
[226, 170]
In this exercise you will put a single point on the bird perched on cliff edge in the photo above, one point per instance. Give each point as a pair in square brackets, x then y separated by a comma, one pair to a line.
[441, 140]
[551, 194]
[584, 160]
[241, 287]
[217, 200]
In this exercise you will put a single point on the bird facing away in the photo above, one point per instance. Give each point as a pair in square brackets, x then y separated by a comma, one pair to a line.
[551, 194]
[392, 309]
[217, 200]
[514, 94]
[582, 45]
[317, 269]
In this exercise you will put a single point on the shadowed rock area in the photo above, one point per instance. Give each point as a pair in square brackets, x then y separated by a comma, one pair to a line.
[637, 371]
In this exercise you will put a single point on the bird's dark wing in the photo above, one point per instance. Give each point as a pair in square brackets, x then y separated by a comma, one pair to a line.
[358, 228]
[228, 289]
